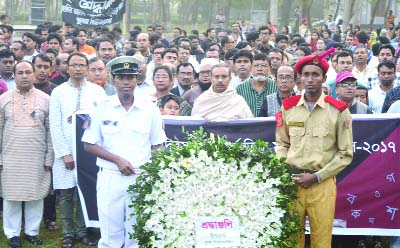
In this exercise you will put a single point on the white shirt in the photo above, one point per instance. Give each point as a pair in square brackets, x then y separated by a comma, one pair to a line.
[149, 73]
[10, 82]
[362, 76]
[376, 97]
[129, 134]
[30, 57]
[395, 107]
[235, 81]
[144, 90]
[65, 100]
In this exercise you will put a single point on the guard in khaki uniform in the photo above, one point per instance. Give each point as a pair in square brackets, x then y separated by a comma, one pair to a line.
[314, 134]
[121, 134]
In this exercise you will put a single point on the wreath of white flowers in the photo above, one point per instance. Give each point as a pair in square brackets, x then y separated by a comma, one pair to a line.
[214, 177]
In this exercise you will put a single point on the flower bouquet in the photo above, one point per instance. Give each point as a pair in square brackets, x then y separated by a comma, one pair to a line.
[214, 177]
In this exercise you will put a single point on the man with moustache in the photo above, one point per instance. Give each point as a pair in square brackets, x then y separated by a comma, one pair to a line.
[204, 81]
[242, 61]
[185, 73]
[105, 50]
[98, 74]
[314, 136]
[285, 81]
[220, 101]
[259, 86]
[7, 61]
[346, 85]
[27, 155]
[378, 94]
[61, 68]
[42, 65]
[143, 46]
[122, 134]
[75, 94]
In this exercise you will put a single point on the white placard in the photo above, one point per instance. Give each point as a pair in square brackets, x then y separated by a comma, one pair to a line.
[213, 232]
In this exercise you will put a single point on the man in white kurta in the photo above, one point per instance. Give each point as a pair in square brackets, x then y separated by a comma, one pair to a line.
[71, 96]
[26, 155]
[122, 133]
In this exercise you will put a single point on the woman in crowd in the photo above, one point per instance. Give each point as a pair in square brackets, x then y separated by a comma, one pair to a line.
[337, 35]
[163, 82]
[313, 42]
[285, 30]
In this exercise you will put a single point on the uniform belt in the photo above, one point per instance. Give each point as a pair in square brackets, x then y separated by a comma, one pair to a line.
[117, 172]
[295, 170]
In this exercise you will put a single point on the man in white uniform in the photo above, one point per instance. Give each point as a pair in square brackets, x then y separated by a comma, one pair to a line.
[122, 133]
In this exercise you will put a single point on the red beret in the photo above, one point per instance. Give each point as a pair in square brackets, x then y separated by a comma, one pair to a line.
[315, 59]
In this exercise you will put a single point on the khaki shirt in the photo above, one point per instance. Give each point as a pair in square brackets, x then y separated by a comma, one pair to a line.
[320, 140]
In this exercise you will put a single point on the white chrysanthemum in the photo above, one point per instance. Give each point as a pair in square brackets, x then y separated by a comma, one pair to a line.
[202, 186]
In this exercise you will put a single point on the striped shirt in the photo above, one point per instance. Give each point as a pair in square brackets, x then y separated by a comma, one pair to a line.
[253, 98]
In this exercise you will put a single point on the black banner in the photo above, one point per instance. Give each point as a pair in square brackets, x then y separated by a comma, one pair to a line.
[92, 12]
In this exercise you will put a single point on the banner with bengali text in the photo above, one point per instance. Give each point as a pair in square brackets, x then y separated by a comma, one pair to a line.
[92, 13]
[368, 195]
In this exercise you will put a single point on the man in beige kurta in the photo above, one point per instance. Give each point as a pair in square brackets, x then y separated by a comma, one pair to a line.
[221, 102]
[26, 155]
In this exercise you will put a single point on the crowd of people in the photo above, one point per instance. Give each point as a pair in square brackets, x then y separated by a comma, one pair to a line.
[223, 73]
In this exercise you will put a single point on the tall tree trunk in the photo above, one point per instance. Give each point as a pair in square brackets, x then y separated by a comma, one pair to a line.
[389, 4]
[337, 8]
[167, 12]
[306, 11]
[211, 13]
[347, 12]
[285, 13]
[227, 10]
[274, 12]
[9, 7]
[375, 4]
[195, 11]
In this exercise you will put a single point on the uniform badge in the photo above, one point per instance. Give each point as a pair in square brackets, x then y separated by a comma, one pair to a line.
[279, 119]
[126, 65]
[347, 123]
[316, 60]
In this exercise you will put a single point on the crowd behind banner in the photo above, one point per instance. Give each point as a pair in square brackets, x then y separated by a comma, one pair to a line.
[175, 75]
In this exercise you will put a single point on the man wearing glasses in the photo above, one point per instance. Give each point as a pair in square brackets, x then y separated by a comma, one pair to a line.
[259, 86]
[204, 81]
[264, 33]
[71, 96]
[185, 79]
[346, 85]
[285, 81]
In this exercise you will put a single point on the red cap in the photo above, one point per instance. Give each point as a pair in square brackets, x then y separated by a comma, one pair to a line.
[304, 20]
[318, 60]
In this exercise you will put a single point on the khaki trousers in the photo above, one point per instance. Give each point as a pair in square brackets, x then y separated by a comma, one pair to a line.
[318, 203]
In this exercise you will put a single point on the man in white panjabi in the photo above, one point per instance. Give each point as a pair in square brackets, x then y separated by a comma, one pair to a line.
[71, 96]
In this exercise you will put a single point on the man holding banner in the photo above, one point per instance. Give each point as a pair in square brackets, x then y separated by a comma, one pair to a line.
[122, 133]
[314, 134]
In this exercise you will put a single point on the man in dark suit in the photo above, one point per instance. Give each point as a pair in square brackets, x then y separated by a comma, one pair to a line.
[185, 73]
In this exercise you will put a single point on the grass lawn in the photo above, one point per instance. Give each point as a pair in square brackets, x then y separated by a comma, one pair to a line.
[51, 239]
